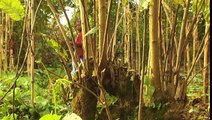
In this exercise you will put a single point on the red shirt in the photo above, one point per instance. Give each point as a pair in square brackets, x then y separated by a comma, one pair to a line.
[79, 45]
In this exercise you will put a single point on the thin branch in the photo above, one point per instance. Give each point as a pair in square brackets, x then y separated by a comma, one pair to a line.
[200, 52]
[192, 77]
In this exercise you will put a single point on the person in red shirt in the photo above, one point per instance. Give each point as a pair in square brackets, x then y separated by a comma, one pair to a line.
[78, 41]
[79, 49]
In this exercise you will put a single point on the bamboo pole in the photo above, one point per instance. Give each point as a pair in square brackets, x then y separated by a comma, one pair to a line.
[195, 43]
[115, 32]
[143, 68]
[1, 42]
[206, 75]
[102, 24]
[154, 47]
[32, 51]
[138, 46]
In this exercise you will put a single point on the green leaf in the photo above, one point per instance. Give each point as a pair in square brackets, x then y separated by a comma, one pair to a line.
[10, 117]
[92, 31]
[144, 4]
[50, 117]
[197, 6]
[150, 91]
[181, 2]
[125, 2]
[73, 116]
[195, 110]
[58, 48]
[63, 80]
[206, 12]
[13, 8]
[41, 101]
[147, 80]
[54, 44]
[202, 6]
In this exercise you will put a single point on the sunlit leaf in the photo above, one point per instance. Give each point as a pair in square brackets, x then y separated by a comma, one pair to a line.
[206, 12]
[92, 31]
[94, 73]
[125, 2]
[58, 48]
[13, 8]
[73, 116]
[197, 6]
[50, 117]
[63, 80]
[181, 2]
[10, 117]
[144, 4]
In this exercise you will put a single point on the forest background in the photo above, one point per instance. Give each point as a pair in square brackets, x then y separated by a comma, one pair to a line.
[143, 59]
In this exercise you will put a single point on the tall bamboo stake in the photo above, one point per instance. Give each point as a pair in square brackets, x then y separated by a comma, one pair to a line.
[32, 47]
[138, 46]
[206, 75]
[115, 32]
[154, 47]
[143, 68]
[1, 43]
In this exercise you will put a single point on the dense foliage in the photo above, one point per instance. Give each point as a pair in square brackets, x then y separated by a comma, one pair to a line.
[113, 80]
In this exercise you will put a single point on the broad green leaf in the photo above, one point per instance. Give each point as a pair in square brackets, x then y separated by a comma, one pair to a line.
[41, 101]
[63, 80]
[54, 43]
[92, 31]
[10, 117]
[73, 116]
[13, 8]
[50, 117]
[58, 48]
[144, 4]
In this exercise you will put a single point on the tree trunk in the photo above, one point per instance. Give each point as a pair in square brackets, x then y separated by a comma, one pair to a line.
[6, 36]
[28, 37]
[87, 41]
[102, 23]
[206, 75]
[188, 59]
[128, 34]
[125, 34]
[181, 42]
[154, 49]
[1, 43]
[32, 51]
[195, 44]
[84, 103]
[138, 47]
[115, 32]
[142, 69]
[11, 45]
